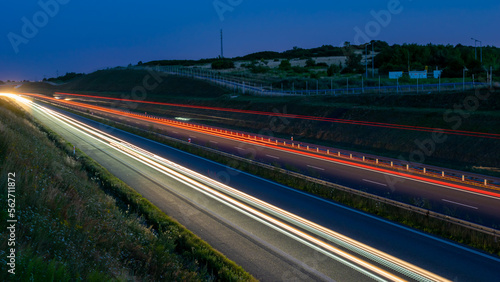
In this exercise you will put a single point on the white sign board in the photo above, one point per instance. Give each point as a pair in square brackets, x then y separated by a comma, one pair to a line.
[418, 74]
[395, 74]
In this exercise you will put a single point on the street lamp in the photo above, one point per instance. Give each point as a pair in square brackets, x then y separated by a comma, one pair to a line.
[465, 69]
[475, 48]
[408, 50]
[366, 58]
[481, 47]
[373, 61]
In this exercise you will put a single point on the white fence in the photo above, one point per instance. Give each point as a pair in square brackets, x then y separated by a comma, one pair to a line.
[239, 85]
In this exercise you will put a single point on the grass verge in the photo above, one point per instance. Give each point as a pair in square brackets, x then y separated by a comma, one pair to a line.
[76, 221]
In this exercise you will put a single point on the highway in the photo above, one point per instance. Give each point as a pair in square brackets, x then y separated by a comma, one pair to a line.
[442, 197]
[257, 234]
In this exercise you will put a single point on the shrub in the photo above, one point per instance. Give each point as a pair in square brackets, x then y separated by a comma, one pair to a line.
[310, 63]
[259, 69]
[300, 70]
[315, 75]
[285, 65]
[333, 69]
[222, 64]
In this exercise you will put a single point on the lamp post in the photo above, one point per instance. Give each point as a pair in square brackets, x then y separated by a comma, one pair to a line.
[481, 47]
[475, 48]
[373, 61]
[408, 50]
[366, 58]
[465, 69]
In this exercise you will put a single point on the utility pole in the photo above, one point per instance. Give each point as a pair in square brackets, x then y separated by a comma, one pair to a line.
[491, 76]
[373, 61]
[408, 61]
[481, 47]
[475, 48]
[439, 83]
[366, 59]
[221, 45]
[465, 69]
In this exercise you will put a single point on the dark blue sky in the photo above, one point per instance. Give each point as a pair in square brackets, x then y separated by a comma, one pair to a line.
[85, 36]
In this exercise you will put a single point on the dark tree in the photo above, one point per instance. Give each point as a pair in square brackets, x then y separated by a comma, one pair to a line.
[285, 65]
[222, 64]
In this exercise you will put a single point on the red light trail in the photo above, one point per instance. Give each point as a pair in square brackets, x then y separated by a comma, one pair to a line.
[304, 117]
[220, 133]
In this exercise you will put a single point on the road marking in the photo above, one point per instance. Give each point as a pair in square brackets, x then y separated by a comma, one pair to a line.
[215, 142]
[374, 182]
[175, 132]
[448, 201]
[274, 157]
[240, 148]
[315, 167]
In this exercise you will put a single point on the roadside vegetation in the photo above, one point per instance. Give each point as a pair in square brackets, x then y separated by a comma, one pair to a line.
[78, 222]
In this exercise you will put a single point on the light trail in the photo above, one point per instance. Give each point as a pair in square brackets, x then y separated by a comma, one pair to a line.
[224, 134]
[251, 207]
[305, 117]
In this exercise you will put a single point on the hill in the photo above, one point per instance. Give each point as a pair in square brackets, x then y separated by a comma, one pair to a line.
[134, 83]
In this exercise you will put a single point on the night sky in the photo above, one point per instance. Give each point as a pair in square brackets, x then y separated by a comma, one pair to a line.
[84, 36]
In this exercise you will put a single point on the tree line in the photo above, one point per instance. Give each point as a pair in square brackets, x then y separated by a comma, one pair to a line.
[451, 59]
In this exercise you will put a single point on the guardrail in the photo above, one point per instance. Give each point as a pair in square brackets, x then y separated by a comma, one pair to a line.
[483, 181]
[464, 223]
[402, 166]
